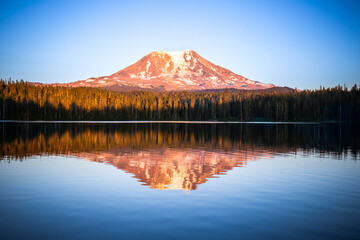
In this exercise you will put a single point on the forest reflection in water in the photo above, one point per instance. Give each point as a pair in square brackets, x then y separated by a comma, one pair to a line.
[176, 156]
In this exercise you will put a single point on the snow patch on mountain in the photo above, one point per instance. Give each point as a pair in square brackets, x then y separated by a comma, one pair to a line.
[147, 66]
[178, 59]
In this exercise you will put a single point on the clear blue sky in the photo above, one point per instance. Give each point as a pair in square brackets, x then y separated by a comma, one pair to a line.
[301, 44]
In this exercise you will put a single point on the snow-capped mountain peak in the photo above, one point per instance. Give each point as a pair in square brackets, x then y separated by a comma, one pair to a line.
[176, 70]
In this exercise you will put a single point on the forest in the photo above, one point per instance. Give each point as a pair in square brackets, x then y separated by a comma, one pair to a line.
[20, 100]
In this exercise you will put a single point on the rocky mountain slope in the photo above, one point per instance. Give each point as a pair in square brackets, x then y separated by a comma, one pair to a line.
[172, 71]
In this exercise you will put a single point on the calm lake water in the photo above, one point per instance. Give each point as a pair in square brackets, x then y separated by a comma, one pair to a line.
[179, 181]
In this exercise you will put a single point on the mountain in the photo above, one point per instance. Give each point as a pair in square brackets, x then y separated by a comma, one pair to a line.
[179, 70]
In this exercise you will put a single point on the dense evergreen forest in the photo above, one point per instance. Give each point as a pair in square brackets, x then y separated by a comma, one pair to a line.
[23, 101]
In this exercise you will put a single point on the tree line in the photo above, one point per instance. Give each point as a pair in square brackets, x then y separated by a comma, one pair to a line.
[20, 100]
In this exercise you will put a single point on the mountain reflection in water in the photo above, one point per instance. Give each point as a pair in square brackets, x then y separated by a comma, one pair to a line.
[172, 168]
[175, 156]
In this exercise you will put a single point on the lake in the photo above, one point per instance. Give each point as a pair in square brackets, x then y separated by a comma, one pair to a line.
[179, 181]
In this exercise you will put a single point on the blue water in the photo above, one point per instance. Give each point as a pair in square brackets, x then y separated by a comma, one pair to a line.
[184, 188]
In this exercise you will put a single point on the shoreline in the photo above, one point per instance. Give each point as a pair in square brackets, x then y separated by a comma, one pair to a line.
[170, 122]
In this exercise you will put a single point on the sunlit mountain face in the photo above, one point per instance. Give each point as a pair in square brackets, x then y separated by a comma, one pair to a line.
[172, 71]
[173, 156]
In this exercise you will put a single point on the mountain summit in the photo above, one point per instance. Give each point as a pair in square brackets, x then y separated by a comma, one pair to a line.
[179, 70]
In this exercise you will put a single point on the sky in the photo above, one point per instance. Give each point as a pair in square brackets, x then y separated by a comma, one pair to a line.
[302, 44]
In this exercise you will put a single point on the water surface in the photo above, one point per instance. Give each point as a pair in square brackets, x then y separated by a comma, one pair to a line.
[179, 180]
